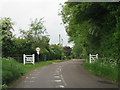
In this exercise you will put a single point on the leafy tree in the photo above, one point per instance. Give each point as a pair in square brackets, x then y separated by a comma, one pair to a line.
[6, 27]
[93, 27]
[56, 51]
[36, 34]
[36, 37]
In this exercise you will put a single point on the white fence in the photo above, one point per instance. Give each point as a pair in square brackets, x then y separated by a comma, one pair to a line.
[29, 58]
[92, 58]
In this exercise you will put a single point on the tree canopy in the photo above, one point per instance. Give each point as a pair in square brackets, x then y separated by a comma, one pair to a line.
[94, 28]
[35, 36]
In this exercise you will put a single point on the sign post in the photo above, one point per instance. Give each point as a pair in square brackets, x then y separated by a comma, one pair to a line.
[38, 52]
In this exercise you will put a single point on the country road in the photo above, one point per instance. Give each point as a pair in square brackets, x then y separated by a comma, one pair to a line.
[67, 74]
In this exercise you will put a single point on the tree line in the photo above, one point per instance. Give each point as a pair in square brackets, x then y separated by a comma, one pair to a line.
[93, 27]
[26, 43]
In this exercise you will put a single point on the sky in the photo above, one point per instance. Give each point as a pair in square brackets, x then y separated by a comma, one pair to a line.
[23, 11]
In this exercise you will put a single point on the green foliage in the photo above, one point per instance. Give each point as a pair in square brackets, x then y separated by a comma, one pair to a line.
[93, 27]
[6, 27]
[35, 36]
[103, 69]
[55, 52]
[12, 70]
[67, 52]
[3, 87]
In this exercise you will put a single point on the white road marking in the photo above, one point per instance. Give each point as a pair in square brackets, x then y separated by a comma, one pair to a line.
[33, 77]
[60, 69]
[61, 86]
[57, 80]
[27, 77]
[57, 77]
[63, 80]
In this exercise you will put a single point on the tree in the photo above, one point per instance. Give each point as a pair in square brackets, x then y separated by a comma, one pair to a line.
[6, 25]
[56, 52]
[36, 36]
[92, 27]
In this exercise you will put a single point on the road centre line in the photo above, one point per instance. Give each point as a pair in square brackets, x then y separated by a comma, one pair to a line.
[61, 86]
[60, 69]
[27, 77]
[57, 80]
[63, 80]
[33, 77]
[62, 76]
[57, 77]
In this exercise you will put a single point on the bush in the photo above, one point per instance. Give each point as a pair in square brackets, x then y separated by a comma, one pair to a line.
[11, 70]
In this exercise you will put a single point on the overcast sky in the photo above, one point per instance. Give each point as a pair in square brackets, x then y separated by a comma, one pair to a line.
[21, 11]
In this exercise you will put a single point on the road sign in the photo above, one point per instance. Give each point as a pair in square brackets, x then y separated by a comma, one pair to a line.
[38, 49]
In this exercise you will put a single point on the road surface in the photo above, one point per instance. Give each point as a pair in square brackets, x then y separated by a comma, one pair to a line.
[67, 74]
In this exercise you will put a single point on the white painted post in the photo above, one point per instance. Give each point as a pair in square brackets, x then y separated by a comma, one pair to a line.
[96, 56]
[33, 58]
[90, 57]
[24, 58]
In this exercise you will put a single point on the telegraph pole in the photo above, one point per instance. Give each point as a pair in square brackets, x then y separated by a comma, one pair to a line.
[59, 39]
[61, 44]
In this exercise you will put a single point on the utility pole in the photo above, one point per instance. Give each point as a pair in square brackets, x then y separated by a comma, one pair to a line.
[62, 42]
[61, 45]
[59, 39]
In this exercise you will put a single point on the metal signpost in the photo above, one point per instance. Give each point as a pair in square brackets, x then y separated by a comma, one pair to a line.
[38, 52]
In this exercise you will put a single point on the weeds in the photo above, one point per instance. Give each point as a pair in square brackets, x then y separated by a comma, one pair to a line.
[104, 69]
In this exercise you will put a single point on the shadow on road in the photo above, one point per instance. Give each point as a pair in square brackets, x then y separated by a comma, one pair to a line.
[104, 82]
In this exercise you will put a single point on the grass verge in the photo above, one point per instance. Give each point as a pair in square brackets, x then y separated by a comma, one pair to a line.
[12, 70]
[105, 70]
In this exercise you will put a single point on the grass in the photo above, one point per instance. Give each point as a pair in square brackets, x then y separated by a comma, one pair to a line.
[29, 67]
[105, 70]
[12, 70]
